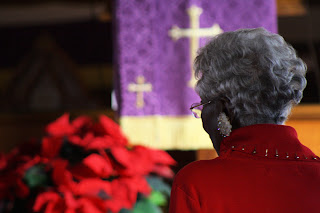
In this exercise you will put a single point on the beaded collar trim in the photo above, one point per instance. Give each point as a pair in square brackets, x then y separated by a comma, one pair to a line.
[274, 153]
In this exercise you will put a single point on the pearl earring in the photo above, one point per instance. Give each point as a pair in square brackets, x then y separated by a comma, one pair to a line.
[224, 126]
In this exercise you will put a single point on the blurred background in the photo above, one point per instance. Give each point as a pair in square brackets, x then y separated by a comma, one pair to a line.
[57, 56]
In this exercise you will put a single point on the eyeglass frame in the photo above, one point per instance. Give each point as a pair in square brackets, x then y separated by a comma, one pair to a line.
[198, 104]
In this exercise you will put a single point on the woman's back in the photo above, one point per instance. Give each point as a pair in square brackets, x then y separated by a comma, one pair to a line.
[261, 168]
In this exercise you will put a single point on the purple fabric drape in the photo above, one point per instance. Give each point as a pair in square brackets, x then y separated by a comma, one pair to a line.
[144, 48]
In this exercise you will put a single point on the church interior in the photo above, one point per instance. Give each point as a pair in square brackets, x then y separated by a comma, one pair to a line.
[59, 56]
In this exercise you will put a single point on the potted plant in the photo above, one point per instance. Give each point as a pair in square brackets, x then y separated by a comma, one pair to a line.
[82, 166]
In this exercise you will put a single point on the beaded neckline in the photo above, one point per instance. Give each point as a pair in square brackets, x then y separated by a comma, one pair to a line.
[274, 153]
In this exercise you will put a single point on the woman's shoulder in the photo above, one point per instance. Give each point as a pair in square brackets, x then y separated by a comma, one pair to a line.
[196, 170]
[201, 165]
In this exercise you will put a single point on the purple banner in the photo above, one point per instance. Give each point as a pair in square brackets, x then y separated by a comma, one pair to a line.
[154, 44]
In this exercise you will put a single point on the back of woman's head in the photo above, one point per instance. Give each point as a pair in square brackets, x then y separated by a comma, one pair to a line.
[255, 72]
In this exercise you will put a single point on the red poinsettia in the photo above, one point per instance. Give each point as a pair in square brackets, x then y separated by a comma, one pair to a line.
[96, 165]
[82, 166]
[125, 191]
[13, 167]
[142, 160]
[61, 127]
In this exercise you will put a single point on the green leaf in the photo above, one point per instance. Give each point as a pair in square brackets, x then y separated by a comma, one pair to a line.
[125, 211]
[158, 184]
[35, 176]
[145, 206]
[157, 198]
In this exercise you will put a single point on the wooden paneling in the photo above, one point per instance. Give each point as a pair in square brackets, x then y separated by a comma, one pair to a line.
[306, 120]
[204, 154]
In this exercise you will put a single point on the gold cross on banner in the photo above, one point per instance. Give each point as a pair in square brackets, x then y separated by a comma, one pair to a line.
[140, 87]
[194, 33]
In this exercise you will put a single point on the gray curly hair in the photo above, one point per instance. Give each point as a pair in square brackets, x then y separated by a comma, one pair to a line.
[257, 72]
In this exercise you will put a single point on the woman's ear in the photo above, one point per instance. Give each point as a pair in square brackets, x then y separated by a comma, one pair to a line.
[209, 117]
[226, 109]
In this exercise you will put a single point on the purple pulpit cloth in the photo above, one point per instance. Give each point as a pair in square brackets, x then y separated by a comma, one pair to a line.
[153, 68]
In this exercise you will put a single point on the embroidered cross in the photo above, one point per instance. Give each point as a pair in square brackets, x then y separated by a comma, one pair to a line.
[140, 87]
[194, 33]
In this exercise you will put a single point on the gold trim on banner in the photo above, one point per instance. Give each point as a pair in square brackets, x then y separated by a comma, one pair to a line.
[166, 132]
[194, 33]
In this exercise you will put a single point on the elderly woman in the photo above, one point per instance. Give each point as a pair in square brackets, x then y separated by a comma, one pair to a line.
[249, 80]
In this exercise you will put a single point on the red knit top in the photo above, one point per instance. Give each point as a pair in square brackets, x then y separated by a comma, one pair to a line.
[262, 168]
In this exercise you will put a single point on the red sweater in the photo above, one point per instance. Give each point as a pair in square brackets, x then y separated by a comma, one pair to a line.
[262, 168]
